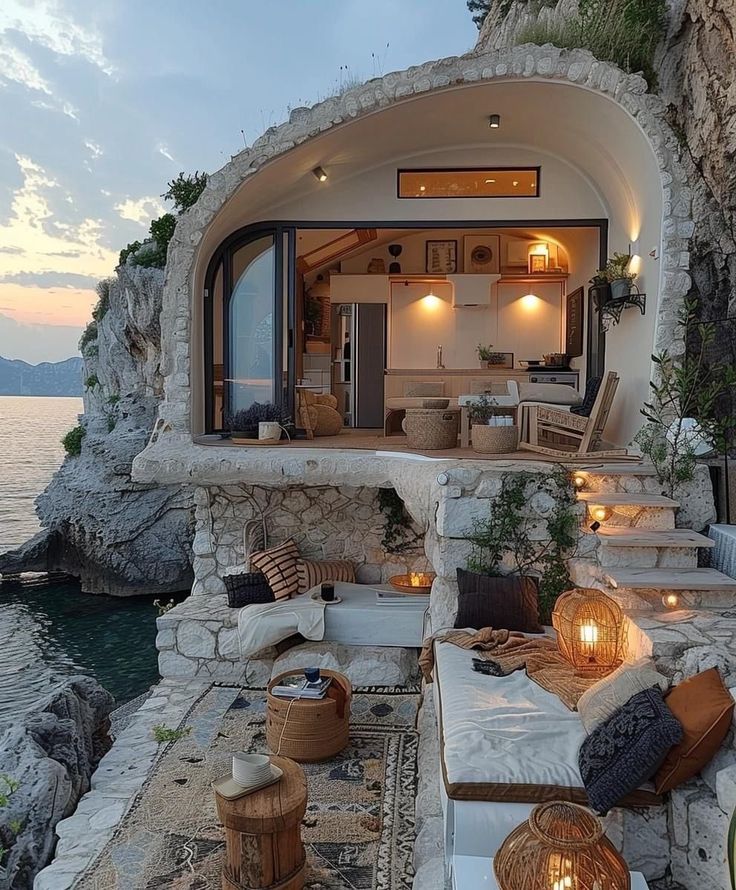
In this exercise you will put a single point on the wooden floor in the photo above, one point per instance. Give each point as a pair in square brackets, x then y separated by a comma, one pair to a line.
[374, 440]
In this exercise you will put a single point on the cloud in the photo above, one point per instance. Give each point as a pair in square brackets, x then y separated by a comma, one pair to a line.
[142, 210]
[50, 279]
[12, 251]
[38, 342]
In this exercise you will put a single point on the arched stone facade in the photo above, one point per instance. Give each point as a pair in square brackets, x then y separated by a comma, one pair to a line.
[545, 63]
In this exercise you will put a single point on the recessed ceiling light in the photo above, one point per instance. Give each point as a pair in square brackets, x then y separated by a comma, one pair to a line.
[490, 180]
[516, 182]
[320, 174]
[494, 121]
[422, 188]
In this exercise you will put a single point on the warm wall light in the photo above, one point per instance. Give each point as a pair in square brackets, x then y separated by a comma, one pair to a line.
[599, 512]
[530, 302]
[579, 481]
[494, 121]
[431, 302]
[671, 600]
[320, 174]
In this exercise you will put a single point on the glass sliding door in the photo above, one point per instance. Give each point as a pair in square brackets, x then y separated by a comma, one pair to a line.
[251, 331]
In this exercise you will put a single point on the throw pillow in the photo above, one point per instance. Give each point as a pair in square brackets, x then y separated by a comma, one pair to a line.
[247, 588]
[508, 602]
[605, 698]
[549, 393]
[312, 573]
[279, 566]
[704, 707]
[627, 749]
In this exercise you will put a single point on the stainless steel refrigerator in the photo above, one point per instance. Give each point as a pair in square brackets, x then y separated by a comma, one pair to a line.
[359, 362]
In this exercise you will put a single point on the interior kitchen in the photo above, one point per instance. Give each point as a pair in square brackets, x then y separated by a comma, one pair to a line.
[391, 317]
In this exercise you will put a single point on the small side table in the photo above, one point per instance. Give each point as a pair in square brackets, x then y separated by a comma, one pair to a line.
[309, 730]
[263, 840]
[476, 873]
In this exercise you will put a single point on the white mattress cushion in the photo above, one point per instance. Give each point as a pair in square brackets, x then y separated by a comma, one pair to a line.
[503, 729]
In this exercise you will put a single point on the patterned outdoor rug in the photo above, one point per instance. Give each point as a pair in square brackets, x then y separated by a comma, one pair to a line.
[358, 830]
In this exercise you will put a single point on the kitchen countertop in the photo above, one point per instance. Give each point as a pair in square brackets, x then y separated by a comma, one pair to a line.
[455, 372]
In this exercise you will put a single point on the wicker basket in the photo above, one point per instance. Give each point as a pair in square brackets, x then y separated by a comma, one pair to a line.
[431, 429]
[315, 729]
[246, 588]
[494, 439]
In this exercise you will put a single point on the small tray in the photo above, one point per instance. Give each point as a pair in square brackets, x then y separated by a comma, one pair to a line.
[238, 441]
[228, 788]
[318, 599]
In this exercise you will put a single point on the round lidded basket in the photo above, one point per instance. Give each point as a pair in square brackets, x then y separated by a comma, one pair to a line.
[560, 847]
[309, 730]
[431, 429]
[494, 439]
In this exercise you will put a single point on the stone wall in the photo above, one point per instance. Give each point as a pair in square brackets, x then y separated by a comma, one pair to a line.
[326, 522]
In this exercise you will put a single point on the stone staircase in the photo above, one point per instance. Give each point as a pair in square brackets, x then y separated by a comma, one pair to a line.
[637, 554]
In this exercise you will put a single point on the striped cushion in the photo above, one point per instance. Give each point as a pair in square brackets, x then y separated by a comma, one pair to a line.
[313, 573]
[279, 567]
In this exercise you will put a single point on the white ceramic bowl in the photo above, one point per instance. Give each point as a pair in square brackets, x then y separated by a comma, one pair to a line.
[251, 769]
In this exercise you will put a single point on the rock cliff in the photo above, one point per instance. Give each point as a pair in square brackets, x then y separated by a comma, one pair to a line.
[47, 759]
[118, 537]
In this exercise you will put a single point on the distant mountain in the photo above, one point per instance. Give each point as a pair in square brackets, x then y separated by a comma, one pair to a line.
[18, 378]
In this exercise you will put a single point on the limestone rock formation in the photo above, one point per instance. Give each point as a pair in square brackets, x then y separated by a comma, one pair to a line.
[117, 536]
[50, 754]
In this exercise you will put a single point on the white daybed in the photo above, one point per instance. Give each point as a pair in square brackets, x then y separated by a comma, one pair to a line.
[505, 745]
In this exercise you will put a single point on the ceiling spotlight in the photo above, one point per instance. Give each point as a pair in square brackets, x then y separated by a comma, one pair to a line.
[320, 174]
[494, 121]
[516, 182]
[488, 181]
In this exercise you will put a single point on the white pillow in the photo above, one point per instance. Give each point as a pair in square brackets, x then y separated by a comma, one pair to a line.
[601, 701]
[552, 393]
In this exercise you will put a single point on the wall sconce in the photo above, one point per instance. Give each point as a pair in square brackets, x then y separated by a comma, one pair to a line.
[530, 302]
[320, 174]
[579, 481]
[588, 625]
[599, 512]
[671, 600]
[494, 121]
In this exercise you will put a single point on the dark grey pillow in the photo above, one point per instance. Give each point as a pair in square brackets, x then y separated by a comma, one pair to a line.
[507, 602]
[627, 749]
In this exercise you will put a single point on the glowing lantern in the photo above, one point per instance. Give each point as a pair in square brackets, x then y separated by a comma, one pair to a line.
[588, 625]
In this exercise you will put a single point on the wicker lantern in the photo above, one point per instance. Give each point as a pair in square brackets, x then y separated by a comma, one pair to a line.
[588, 625]
[561, 847]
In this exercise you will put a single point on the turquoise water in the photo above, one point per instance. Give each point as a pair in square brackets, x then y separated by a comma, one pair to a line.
[49, 631]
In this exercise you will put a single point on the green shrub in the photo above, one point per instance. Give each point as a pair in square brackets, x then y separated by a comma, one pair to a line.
[164, 733]
[103, 304]
[127, 251]
[92, 381]
[622, 31]
[111, 423]
[184, 191]
[72, 441]
[88, 336]
[113, 399]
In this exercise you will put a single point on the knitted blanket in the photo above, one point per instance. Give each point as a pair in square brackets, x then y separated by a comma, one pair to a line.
[511, 651]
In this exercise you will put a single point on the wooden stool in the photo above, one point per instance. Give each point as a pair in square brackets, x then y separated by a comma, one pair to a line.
[316, 729]
[263, 839]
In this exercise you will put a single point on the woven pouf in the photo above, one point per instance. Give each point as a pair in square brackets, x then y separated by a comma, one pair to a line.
[315, 729]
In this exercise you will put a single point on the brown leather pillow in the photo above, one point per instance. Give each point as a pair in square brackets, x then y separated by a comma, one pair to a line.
[507, 602]
[704, 707]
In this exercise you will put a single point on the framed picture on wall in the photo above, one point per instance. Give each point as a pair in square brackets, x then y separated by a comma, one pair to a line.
[574, 308]
[482, 254]
[441, 257]
[537, 263]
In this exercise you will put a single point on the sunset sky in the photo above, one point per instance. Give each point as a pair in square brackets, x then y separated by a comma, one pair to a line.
[101, 103]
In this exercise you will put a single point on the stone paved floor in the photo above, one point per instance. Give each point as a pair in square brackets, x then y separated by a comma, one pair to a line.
[119, 777]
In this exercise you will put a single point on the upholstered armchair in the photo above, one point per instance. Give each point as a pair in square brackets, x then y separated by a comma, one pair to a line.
[318, 414]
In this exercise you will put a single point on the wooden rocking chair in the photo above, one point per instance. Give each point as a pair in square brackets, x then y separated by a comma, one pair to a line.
[556, 432]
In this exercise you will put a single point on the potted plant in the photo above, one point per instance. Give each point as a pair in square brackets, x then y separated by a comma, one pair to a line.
[488, 358]
[618, 275]
[508, 547]
[488, 435]
[243, 424]
[600, 289]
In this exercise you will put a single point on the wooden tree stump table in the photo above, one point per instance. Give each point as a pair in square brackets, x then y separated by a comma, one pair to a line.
[309, 730]
[263, 840]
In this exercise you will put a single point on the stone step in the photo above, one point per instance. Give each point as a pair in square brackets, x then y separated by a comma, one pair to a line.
[670, 579]
[626, 499]
[618, 469]
[613, 536]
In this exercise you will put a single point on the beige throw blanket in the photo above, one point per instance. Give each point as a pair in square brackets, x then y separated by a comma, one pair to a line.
[511, 651]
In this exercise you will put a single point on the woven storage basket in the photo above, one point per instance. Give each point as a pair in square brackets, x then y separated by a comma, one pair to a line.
[314, 730]
[494, 439]
[247, 588]
[431, 429]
